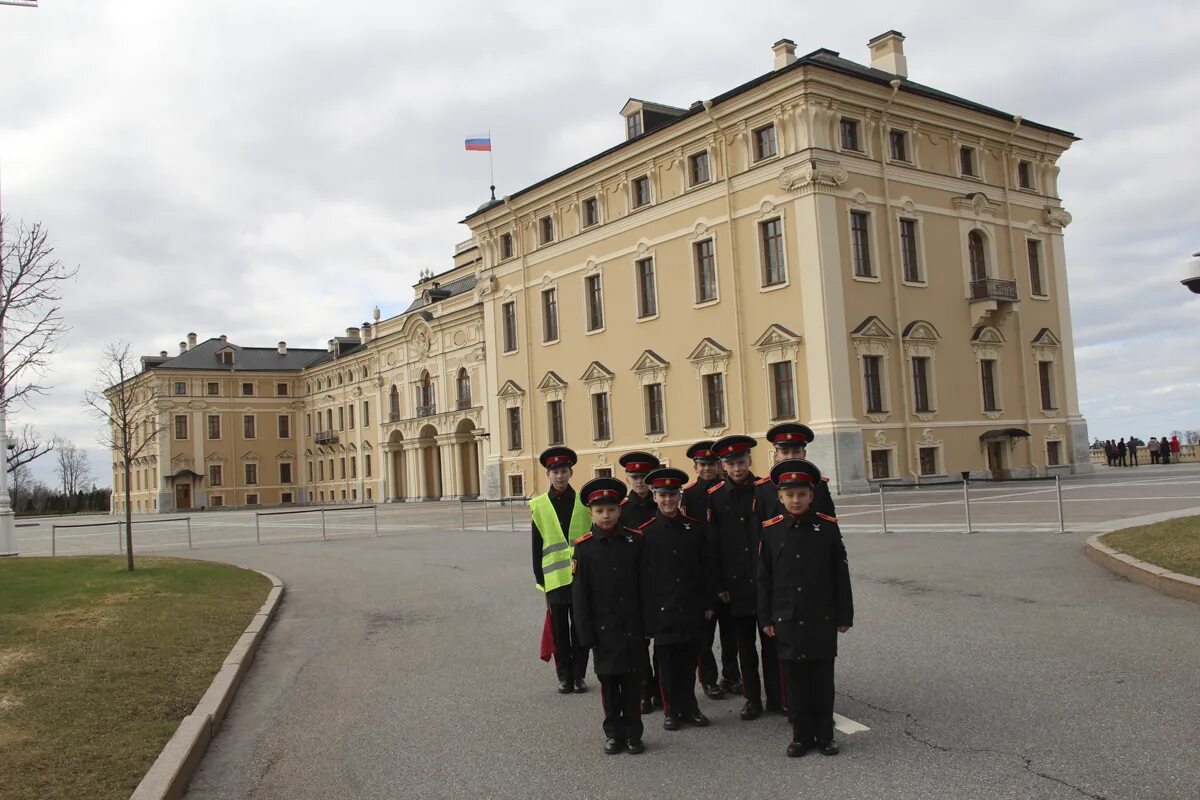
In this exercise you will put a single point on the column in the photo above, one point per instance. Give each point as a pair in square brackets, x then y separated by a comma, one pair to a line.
[393, 491]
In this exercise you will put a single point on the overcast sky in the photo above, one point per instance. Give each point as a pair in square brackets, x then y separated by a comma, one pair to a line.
[273, 169]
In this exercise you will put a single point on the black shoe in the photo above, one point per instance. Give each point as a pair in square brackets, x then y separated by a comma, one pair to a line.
[751, 710]
[794, 749]
[613, 746]
[564, 686]
[671, 723]
[647, 706]
[714, 692]
[580, 686]
[656, 701]
[829, 748]
[634, 747]
[730, 687]
[698, 719]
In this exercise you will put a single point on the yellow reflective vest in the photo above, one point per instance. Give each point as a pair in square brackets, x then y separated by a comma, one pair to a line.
[557, 549]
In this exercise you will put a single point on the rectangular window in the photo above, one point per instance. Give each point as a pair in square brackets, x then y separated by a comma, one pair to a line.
[920, 372]
[860, 244]
[764, 143]
[898, 145]
[342, 468]
[1034, 249]
[341, 418]
[641, 191]
[603, 472]
[714, 400]
[655, 422]
[252, 499]
[550, 315]
[214, 426]
[987, 376]
[1045, 383]
[181, 426]
[1025, 174]
[308, 424]
[591, 212]
[516, 485]
[908, 251]
[881, 464]
[506, 246]
[546, 230]
[216, 501]
[251, 475]
[214, 389]
[366, 414]
[285, 498]
[849, 129]
[509, 316]
[873, 383]
[281, 390]
[647, 292]
[367, 466]
[285, 473]
[320, 469]
[927, 460]
[284, 426]
[247, 389]
[249, 429]
[595, 302]
[514, 429]
[214, 475]
[601, 425]
[783, 391]
[966, 161]
[180, 387]
[771, 233]
[554, 413]
[698, 171]
[350, 415]
[706, 271]
[633, 125]
[1053, 454]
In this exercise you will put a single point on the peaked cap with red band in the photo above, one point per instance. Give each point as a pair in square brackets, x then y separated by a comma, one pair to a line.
[790, 433]
[795, 472]
[667, 478]
[638, 462]
[554, 457]
[702, 451]
[602, 490]
[728, 447]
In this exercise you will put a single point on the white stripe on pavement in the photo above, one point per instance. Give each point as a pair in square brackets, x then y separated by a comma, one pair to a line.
[847, 725]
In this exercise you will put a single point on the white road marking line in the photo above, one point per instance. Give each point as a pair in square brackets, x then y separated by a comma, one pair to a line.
[847, 725]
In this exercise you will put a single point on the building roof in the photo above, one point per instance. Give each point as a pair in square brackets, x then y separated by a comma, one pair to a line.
[246, 359]
[828, 59]
[454, 287]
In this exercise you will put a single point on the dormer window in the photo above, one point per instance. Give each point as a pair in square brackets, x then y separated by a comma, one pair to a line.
[633, 125]
[226, 357]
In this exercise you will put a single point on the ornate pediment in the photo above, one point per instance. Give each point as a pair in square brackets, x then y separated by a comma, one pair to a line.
[986, 334]
[510, 389]
[650, 361]
[977, 204]
[596, 372]
[214, 458]
[286, 455]
[250, 455]
[1046, 338]
[708, 350]
[366, 447]
[872, 328]
[181, 460]
[551, 381]
[922, 331]
[776, 336]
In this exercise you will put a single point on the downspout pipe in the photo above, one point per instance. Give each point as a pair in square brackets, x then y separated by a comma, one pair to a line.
[1006, 159]
[527, 315]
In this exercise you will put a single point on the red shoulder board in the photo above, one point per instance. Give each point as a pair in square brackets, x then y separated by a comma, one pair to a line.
[824, 479]
[644, 524]
[634, 530]
[584, 538]
[715, 486]
[690, 485]
[761, 481]
[772, 521]
[826, 517]
[624, 500]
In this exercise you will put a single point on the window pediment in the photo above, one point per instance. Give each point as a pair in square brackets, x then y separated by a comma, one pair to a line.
[987, 335]
[551, 381]
[510, 389]
[650, 361]
[286, 455]
[596, 372]
[1046, 338]
[709, 349]
[921, 330]
[872, 328]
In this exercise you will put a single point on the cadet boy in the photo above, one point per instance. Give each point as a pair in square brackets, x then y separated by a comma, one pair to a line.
[804, 602]
[636, 510]
[791, 440]
[695, 505]
[677, 596]
[558, 520]
[608, 612]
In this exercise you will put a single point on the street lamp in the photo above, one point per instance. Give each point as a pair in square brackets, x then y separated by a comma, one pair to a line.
[1191, 274]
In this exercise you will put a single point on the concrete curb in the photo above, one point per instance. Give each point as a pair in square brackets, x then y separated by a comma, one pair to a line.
[1185, 587]
[170, 773]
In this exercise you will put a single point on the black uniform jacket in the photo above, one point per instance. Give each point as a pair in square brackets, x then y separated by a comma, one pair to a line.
[564, 506]
[606, 592]
[676, 589]
[695, 498]
[637, 511]
[769, 507]
[804, 585]
[734, 530]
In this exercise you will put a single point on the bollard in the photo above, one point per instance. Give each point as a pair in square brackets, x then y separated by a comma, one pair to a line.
[53, 540]
[120, 550]
[967, 504]
[485, 518]
[257, 533]
[323, 525]
[1062, 528]
[189, 527]
[375, 512]
[882, 510]
[512, 518]
[462, 515]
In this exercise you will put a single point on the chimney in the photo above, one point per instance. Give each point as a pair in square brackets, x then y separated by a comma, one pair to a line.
[182, 347]
[283, 348]
[366, 332]
[887, 53]
[332, 344]
[223, 338]
[191, 340]
[352, 333]
[162, 353]
[785, 53]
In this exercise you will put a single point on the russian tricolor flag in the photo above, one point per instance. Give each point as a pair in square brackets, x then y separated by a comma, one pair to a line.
[483, 143]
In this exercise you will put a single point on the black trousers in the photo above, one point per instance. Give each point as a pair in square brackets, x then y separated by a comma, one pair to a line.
[650, 678]
[1153, 456]
[810, 700]
[753, 688]
[621, 697]
[729, 658]
[569, 657]
[677, 678]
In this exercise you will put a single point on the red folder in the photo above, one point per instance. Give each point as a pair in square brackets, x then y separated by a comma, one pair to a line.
[547, 651]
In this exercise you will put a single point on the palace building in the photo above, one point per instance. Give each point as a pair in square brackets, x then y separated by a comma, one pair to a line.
[829, 242]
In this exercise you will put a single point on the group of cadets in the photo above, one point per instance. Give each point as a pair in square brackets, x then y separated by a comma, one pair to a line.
[668, 562]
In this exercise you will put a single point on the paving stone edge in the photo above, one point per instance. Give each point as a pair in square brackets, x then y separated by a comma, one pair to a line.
[1162, 580]
[170, 773]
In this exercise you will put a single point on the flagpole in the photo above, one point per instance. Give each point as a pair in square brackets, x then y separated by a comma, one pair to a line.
[491, 164]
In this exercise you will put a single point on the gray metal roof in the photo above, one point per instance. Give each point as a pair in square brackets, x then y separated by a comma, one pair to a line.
[257, 359]
[455, 287]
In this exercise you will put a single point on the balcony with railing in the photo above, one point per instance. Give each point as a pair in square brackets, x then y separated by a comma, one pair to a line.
[395, 416]
[326, 437]
[464, 403]
[427, 410]
[993, 289]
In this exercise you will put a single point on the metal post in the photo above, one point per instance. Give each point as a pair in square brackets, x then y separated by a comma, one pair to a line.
[53, 540]
[485, 519]
[375, 513]
[967, 504]
[882, 510]
[189, 527]
[462, 515]
[323, 525]
[120, 549]
[257, 533]
[1062, 528]
[512, 518]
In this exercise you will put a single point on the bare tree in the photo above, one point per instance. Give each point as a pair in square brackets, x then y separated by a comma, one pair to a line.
[1193, 437]
[126, 401]
[71, 466]
[26, 447]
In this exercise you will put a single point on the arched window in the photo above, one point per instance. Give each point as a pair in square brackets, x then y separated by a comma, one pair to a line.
[366, 374]
[394, 403]
[339, 379]
[977, 256]
[425, 399]
[464, 388]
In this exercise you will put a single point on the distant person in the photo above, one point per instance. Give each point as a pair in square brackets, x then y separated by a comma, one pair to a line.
[1110, 450]
[1164, 450]
[1133, 448]
[1121, 452]
[1175, 448]
[1153, 448]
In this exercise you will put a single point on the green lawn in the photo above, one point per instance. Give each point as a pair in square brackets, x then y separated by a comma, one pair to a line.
[99, 665]
[1173, 545]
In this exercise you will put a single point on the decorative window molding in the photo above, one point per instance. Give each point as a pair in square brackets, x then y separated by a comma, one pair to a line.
[552, 387]
[1045, 346]
[777, 343]
[769, 211]
[598, 378]
[988, 343]
[920, 341]
[651, 368]
[873, 338]
[927, 441]
[879, 444]
[710, 357]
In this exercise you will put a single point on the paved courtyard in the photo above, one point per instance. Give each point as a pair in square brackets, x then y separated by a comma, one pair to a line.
[998, 665]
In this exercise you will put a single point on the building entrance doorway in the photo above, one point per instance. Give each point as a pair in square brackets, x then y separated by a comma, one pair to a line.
[183, 496]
